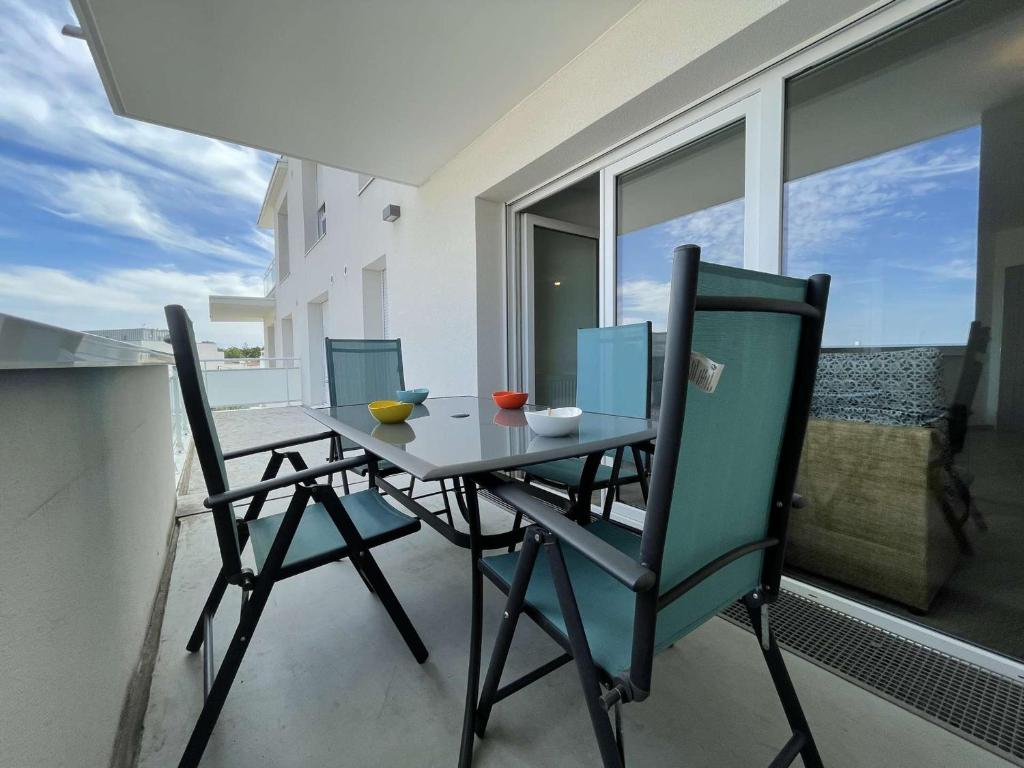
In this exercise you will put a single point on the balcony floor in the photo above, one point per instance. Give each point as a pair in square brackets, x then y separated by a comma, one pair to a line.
[328, 681]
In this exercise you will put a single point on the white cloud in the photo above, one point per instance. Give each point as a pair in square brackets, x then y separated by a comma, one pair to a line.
[717, 230]
[126, 298]
[645, 300]
[189, 202]
[953, 269]
[836, 205]
[51, 99]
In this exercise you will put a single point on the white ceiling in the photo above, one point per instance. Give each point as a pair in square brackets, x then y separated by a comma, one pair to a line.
[393, 88]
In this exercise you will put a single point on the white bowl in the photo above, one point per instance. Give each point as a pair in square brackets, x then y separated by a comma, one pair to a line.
[554, 422]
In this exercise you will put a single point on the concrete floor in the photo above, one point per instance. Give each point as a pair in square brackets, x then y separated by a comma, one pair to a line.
[328, 681]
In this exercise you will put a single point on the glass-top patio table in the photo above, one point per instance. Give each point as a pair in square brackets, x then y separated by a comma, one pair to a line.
[464, 439]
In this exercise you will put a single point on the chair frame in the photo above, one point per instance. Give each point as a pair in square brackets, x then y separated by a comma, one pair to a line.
[337, 451]
[603, 689]
[612, 484]
[256, 588]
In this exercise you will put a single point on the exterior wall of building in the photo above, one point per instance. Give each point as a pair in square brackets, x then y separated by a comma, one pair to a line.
[444, 256]
[86, 505]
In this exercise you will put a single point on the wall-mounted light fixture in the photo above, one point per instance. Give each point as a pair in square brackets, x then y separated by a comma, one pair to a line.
[391, 212]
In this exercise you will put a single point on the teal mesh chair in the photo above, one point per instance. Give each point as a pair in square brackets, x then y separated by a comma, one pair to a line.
[721, 489]
[613, 375]
[361, 371]
[316, 529]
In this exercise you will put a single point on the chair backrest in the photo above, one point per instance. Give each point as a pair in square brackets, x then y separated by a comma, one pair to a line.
[725, 462]
[363, 370]
[613, 370]
[967, 386]
[204, 433]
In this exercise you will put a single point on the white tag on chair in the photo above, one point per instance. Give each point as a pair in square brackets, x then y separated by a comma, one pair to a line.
[704, 372]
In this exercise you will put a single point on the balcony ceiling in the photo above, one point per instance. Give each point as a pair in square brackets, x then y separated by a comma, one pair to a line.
[242, 309]
[389, 88]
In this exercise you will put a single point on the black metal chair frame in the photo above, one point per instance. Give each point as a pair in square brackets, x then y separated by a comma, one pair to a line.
[641, 461]
[337, 450]
[233, 534]
[602, 689]
[959, 412]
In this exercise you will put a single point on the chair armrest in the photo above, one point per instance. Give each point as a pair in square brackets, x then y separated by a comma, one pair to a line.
[284, 481]
[611, 560]
[286, 443]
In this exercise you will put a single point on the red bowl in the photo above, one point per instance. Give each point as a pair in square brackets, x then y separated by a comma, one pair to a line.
[510, 400]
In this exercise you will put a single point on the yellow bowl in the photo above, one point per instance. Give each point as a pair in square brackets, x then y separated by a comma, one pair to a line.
[390, 411]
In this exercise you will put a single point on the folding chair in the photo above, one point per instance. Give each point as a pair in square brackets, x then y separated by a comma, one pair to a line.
[722, 482]
[317, 528]
[613, 375]
[361, 371]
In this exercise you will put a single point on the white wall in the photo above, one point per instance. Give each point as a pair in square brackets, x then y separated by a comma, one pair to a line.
[445, 275]
[86, 506]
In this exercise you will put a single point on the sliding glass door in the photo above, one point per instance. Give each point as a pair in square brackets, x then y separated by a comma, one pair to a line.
[560, 277]
[890, 156]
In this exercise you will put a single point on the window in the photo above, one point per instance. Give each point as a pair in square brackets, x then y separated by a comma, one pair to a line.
[314, 208]
[321, 221]
[904, 179]
[883, 194]
[281, 241]
[691, 195]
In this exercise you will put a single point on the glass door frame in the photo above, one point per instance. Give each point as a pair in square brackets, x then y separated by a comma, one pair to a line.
[528, 222]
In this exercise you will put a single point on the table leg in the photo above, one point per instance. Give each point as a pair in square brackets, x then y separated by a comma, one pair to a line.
[475, 627]
[581, 508]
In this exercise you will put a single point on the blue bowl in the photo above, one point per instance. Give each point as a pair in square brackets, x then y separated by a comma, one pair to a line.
[414, 396]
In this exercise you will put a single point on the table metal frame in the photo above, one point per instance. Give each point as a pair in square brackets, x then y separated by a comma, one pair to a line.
[466, 479]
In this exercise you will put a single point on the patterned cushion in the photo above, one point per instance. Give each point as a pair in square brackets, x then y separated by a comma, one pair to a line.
[899, 387]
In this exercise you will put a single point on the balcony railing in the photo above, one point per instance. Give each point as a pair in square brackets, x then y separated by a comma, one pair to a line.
[237, 383]
[270, 278]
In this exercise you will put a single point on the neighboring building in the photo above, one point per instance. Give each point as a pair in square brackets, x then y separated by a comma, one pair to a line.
[151, 338]
[329, 276]
[133, 335]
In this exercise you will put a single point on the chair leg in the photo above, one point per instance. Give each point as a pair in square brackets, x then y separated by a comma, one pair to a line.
[585, 666]
[447, 504]
[379, 585]
[641, 471]
[332, 455]
[956, 527]
[783, 684]
[225, 676]
[195, 641]
[366, 581]
[609, 499]
[518, 523]
[503, 641]
[471, 512]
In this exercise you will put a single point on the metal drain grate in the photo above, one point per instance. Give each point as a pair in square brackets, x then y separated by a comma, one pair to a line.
[972, 702]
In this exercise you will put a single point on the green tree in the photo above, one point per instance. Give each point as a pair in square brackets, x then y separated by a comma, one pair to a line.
[243, 351]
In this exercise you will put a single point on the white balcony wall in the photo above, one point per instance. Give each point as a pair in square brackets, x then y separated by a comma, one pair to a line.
[276, 381]
[444, 255]
[87, 500]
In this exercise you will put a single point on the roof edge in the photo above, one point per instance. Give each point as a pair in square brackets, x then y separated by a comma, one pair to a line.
[277, 177]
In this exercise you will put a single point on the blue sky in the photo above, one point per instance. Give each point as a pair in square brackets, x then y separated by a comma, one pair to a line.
[103, 220]
[897, 232]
